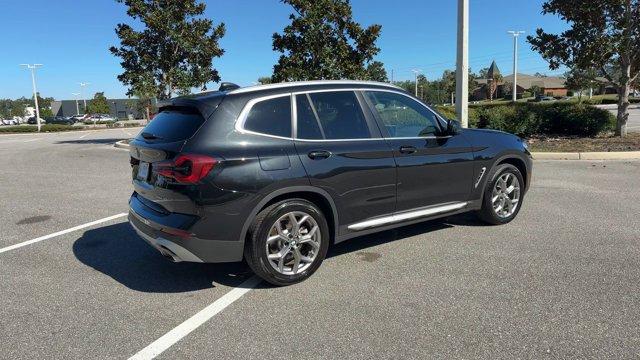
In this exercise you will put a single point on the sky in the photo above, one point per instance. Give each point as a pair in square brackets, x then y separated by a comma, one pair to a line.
[71, 38]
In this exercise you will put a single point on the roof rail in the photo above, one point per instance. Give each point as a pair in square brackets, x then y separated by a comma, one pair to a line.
[314, 82]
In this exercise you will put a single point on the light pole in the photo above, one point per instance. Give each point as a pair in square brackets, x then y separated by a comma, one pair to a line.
[462, 64]
[77, 95]
[515, 35]
[115, 106]
[33, 68]
[416, 72]
[82, 85]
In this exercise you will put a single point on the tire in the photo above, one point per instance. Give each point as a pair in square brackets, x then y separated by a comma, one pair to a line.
[488, 213]
[265, 244]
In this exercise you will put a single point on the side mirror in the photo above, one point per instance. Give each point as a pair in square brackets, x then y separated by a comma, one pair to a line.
[453, 127]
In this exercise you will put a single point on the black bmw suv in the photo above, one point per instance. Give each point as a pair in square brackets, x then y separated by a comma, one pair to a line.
[275, 174]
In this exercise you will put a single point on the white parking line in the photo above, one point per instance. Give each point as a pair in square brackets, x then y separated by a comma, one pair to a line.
[75, 228]
[32, 140]
[83, 136]
[182, 330]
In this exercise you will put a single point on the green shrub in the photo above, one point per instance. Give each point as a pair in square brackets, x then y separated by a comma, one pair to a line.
[447, 111]
[563, 118]
[33, 128]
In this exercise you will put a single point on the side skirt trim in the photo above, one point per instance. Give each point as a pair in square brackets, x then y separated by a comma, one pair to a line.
[407, 215]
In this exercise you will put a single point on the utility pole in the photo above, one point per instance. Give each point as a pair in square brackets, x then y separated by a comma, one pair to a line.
[77, 95]
[82, 85]
[416, 72]
[462, 64]
[33, 68]
[392, 79]
[515, 35]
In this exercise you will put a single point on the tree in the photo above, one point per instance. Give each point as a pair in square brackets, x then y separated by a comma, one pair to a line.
[173, 52]
[44, 105]
[377, 72]
[264, 80]
[99, 104]
[535, 90]
[324, 42]
[580, 80]
[604, 35]
[448, 82]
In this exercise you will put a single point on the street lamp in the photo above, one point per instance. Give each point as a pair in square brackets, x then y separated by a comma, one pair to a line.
[115, 107]
[77, 95]
[515, 35]
[82, 85]
[416, 72]
[33, 68]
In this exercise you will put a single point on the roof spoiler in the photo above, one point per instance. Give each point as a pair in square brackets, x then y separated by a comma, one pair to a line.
[206, 108]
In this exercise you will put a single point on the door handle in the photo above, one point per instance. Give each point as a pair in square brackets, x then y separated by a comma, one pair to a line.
[319, 154]
[408, 149]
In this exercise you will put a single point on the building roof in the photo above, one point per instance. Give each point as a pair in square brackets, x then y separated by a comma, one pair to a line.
[493, 70]
[527, 81]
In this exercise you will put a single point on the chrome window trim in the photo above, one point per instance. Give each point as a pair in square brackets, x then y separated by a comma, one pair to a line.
[239, 125]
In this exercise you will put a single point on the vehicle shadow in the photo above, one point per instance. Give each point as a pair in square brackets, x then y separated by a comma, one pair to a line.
[118, 252]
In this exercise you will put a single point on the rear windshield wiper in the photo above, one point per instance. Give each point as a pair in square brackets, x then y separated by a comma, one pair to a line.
[149, 136]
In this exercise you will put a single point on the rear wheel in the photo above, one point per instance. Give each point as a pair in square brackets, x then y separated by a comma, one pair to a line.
[287, 242]
[503, 195]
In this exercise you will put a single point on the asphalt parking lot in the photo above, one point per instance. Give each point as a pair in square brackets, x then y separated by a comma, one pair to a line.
[561, 281]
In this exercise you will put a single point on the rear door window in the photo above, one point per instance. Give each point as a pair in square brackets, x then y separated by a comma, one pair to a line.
[334, 115]
[270, 117]
[173, 125]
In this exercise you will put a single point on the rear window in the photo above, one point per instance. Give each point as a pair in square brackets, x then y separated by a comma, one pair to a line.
[173, 125]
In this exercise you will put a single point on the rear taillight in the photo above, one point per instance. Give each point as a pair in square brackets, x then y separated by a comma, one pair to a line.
[186, 168]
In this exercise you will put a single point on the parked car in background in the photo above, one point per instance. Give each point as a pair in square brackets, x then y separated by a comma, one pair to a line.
[277, 173]
[32, 120]
[94, 118]
[107, 117]
[9, 122]
[542, 98]
[79, 117]
[62, 120]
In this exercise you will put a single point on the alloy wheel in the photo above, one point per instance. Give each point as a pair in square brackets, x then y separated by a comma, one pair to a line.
[505, 197]
[293, 243]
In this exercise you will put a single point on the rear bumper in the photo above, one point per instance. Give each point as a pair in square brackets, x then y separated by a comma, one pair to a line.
[150, 225]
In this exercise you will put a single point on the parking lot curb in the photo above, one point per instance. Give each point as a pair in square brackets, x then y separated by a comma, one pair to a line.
[122, 144]
[613, 155]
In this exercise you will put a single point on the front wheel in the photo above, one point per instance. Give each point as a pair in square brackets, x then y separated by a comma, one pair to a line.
[503, 195]
[287, 242]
